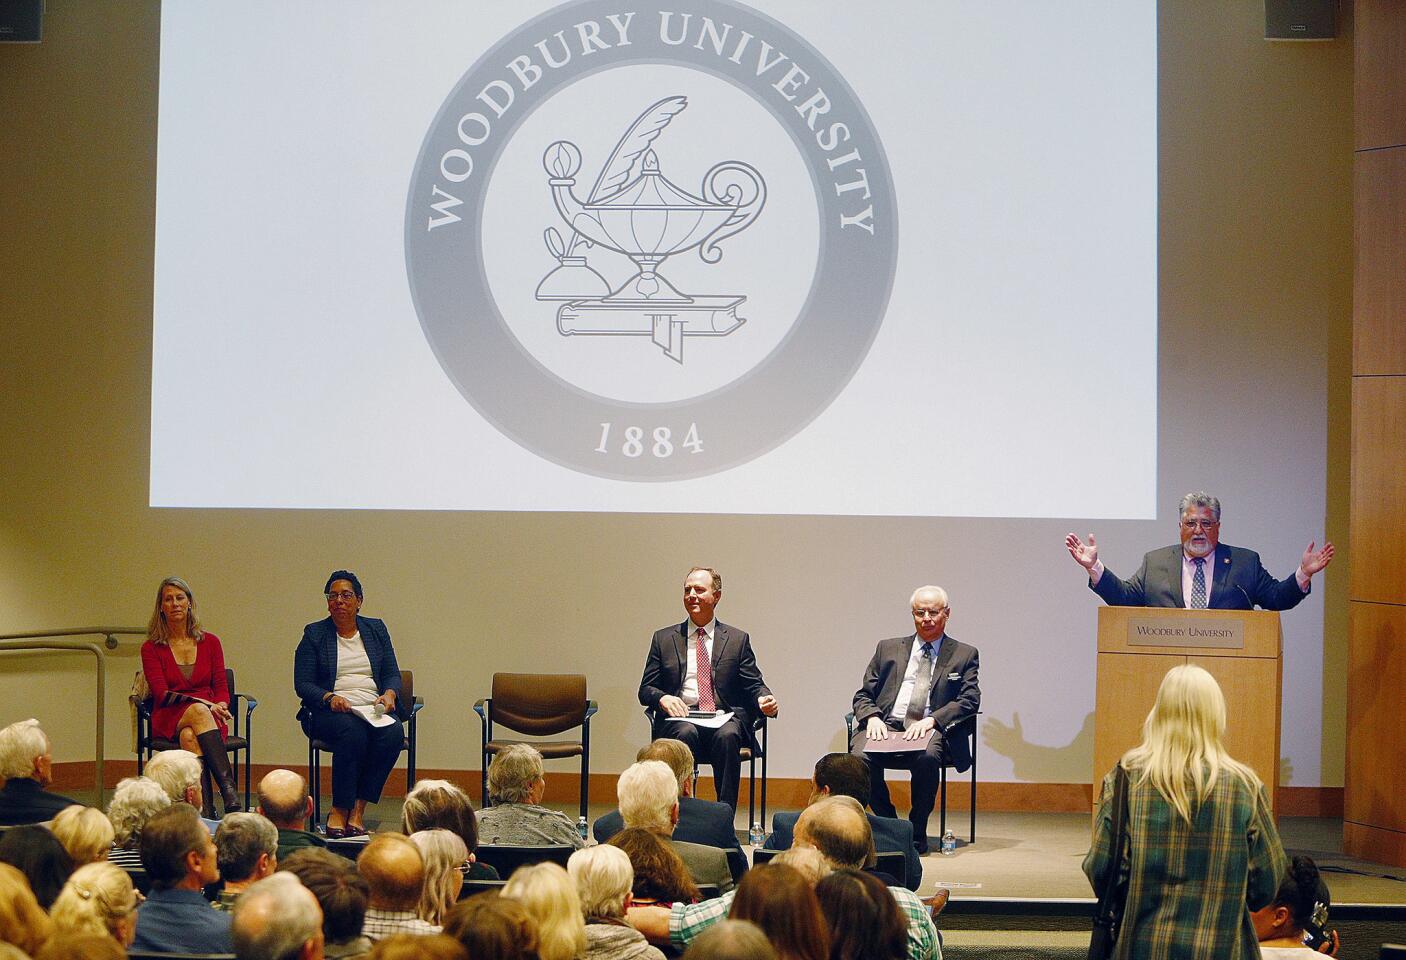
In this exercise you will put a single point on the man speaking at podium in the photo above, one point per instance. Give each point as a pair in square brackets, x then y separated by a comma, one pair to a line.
[1201, 572]
[703, 665]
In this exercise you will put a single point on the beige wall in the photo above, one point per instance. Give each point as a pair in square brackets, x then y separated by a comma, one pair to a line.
[1255, 302]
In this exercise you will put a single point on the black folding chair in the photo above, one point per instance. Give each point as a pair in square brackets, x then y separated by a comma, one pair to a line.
[963, 727]
[505, 859]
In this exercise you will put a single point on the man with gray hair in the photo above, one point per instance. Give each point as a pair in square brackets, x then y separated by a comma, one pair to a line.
[246, 845]
[27, 767]
[516, 785]
[178, 772]
[649, 799]
[1200, 573]
[277, 919]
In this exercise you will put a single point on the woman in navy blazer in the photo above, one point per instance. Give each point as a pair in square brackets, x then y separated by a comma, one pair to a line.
[343, 663]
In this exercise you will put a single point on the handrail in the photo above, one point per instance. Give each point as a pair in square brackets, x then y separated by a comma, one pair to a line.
[46, 640]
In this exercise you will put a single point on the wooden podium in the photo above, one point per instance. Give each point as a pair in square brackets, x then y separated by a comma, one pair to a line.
[1241, 648]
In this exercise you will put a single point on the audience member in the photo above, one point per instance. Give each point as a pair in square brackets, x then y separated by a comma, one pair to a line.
[446, 859]
[516, 784]
[435, 946]
[550, 897]
[845, 775]
[81, 946]
[246, 845]
[781, 901]
[99, 898]
[23, 923]
[285, 801]
[649, 799]
[178, 772]
[134, 802]
[341, 892]
[395, 877]
[85, 832]
[660, 875]
[27, 767]
[37, 853]
[1296, 918]
[808, 861]
[277, 919]
[492, 927]
[439, 804]
[181, 861]
[603, 878]
[700, 821]
[731, 940]
[864, 921]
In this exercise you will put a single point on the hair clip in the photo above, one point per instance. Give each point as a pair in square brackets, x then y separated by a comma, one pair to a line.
[1320, 914]
[83, 892]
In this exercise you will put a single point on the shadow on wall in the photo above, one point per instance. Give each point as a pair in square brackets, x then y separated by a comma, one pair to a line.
[1036, 763]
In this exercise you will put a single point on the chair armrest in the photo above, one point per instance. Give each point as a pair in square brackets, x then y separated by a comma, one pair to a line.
[591, 708]
[417, 706]
[250, 703]
[480, 707]
[849, 726]
[962, 721]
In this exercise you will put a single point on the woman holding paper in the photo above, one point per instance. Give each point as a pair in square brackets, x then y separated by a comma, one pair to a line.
[185, 670]
[347, 676]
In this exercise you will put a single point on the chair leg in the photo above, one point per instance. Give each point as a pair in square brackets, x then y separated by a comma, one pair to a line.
[752, 794]
[766, 752]
[585, 783]
[973, 800]
[942, 793]
[315, 781]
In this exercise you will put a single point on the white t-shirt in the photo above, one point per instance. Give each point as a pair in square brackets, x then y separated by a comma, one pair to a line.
[354, 680]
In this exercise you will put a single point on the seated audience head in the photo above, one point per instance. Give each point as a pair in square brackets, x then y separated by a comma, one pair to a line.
[177, 851]
[98, 898]
[863, 917]
[277, 919]
[37, 853]
[284, 799]
[677, 755]
[440, 805]
[247, 849]
[731, 940]
[1300, 907]
[603, 878]
[841, 775]
[445, 858]
[781, 901]
[85, 832]
[341, 891]
[81, 946]
[178, 772]
[134, 802]
[660, 873]
[405, 946]
[23, 923]
[492, 927]
[24, 753]
[394, 872]
[807, 860]
[550, 897]
[649, 797]
[515, 775]
[837, 827]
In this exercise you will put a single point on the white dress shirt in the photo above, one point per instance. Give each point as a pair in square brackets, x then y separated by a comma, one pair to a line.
[910, 674]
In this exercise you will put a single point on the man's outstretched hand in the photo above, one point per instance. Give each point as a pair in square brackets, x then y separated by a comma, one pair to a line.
[1085, 554]
[1315, 560]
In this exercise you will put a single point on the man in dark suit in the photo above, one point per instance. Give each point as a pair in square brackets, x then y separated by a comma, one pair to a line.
[921, 684]
[845, 775]
[677, 680]
[28, 767]
[1201, 572]
[700, 821]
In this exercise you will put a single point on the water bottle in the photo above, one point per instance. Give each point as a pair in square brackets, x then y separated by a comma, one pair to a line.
[756, 836]
[949, 844]
[582, 828]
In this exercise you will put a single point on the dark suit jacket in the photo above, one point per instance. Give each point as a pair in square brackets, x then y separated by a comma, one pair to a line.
[23, 801]
[890, 834]
[700, 821]
[955, 693]
[1240, 582]
[737, 681]
[315, 662]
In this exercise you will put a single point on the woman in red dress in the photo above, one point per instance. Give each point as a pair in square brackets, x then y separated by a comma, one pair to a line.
[185, 669]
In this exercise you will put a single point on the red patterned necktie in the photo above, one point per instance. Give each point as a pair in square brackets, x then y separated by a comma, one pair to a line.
[705, 674]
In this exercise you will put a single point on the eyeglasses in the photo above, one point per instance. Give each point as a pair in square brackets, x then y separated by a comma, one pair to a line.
[1200, 524]
[346, 595]
[929, 614]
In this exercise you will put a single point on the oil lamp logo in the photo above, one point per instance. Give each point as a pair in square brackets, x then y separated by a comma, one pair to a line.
[644, 217]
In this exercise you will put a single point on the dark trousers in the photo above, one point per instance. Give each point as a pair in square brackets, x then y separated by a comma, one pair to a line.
[362, 755]
[716, 747]
[925, 766]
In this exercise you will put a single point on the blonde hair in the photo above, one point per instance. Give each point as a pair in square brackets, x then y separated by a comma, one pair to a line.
[442, 851]
[156, 629]
[549, 896]
[85, 832]
[1181, 751]
[23, 922]
[94, 899]
[603, 876]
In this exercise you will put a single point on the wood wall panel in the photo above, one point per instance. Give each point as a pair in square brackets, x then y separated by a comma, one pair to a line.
[1378, 525]
[1379, 262]
[1376, 721]
[1379, 64]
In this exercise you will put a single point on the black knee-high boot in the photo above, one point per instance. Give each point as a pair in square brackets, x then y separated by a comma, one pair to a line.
[217, 762]
[207, 791]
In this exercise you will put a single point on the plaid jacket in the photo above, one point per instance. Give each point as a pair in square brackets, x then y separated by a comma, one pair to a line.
[1190, 887]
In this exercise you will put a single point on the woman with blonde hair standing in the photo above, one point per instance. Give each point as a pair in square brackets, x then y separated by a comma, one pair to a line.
[446, 859]
[550, 898]
[1200, 849]
[98, 898]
